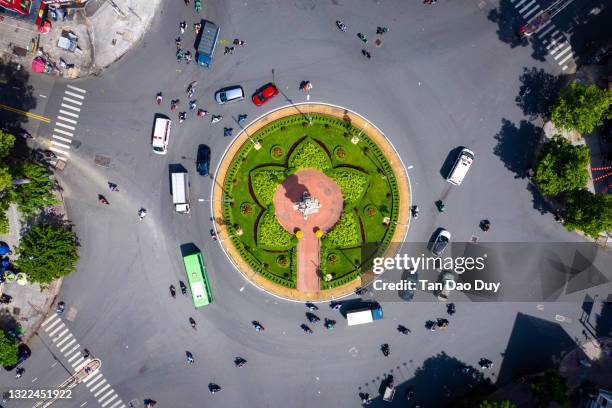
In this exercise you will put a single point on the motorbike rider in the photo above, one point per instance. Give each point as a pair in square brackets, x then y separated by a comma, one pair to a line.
[19, 372]
[257, 325]
[60, 308]
[183, 25]
[381, 30]
[172, 291]
[341, 25]
[159, 98]
[450, 309]
[173, 104]
[239, 361]
[183, 288]
[202, 112]
[142, 213]
[403, 329]
[415, 211]
[362, 37]
[312, 318]
[102, 199]
[242, 118]
[306, 329]
[182, 117]
[193, 104]
[312, 307]
[215, 118]
[212, 388]
[197, 27]
[385, 350]
[227, 131]
[188, 57]
[189, 357]
[192, 322]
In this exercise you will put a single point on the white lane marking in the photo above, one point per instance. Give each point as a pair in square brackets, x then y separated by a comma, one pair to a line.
[63, 132]
[89, 381]
[63, 112]
[83, 404]
[42, 96]
[100, 391]
[76, 95]
[99, 385]
[60, 151]
[533, 10]
[116, 404]
[563, 52]
[56, 338]
[72, 101]
[34, 379]
[76, 89]
[64, 125]
[65, 119]
[70, 351]
[78, 362]
[48, 320]
[65, 139]
[58, 328]
[570, 55]
[108, 401]
[65, 340]
[60, 144]
[70, 343]
[54, 364]
[74, 108]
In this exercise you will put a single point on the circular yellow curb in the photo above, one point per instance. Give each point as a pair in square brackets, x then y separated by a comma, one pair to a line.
[401, 176]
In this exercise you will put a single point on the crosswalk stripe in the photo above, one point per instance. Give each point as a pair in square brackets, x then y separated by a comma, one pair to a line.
[554, 42]
[99, 385]
[101, 390]
[72, 101]
[89, 381]
[63, 112]
[517, 5]
[64, 125]
[111, 399]
[76, 95]
[60, 151]
[533, 10]
[51, 325]
[50, 318]
[68, 345]
[562, 52]
[564, 68]
[74, 108]
[78, 362]
[547, 30]
[568, 56]
[60, 144]
[531, 3]
[63, 132]
[70, 351]
[75, 355]
[68, 337]
[559, 47]
[116, 404]
[56, 338]
[58, 328]
[65, 139]
[65, 119]
[76, 89]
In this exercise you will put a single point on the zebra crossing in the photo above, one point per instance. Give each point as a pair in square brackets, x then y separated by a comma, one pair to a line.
[66, 121]
[556, 43]
[59, 334]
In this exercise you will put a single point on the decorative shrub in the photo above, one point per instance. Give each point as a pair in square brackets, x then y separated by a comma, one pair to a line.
[370, 211]
[339, 152]
[270, 234]
[246, 208]
[264, 182]
[332, 259]
[345, 233]
[277, 152]
[352, 182]
[282, 261]
[309, 155]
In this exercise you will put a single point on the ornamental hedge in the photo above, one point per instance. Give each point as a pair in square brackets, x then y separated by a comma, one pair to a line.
[309, 155]
[264, 181]
[346, 233]
[352, 182]
[270, 234]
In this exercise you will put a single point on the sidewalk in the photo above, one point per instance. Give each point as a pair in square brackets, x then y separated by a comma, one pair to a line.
[105, 31]
[30, 302]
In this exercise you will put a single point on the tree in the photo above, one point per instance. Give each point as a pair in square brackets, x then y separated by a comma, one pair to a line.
[549, 387]
[7, 141]
[35, 194]
[582, 107]
[8, 350]
[47, 253]
[588, 212]
[481, 402]
[562, 167]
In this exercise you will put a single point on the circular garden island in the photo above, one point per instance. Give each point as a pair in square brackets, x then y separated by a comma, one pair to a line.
[350, 187]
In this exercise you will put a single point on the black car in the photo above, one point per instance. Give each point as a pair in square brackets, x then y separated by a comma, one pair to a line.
[407, 293]
[23, 353]
[203, 160]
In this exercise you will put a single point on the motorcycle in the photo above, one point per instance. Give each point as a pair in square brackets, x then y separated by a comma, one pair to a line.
[189, 357]
[312, 307]
[312, 318]
[335, 305]
[385, 350]
[180, 55]
[239, 361]
[193, 323]
[213, 235]
[182, 25]
[215, 118]
[142, 213]
[362, 38]
[415, 211]
[173, 104]
[183, 287]
[341, 26]
[258, 327]
[213, 388]
[191, 88]
[198, 6]
[306, 329]
[202, 113]
[361, 291]
[381, 30]
[113, 187]
[329, 324]
[450, 309]
[227, 132]
[242, 118]
[172, 291]
[158, 98]
[182, 117]
[193, 104]
[403, 329]
[102, 199]
[440, 206]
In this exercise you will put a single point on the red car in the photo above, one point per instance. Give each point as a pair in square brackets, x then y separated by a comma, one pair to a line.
[264, 94]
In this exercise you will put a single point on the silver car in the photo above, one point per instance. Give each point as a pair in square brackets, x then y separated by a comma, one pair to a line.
[229, 94]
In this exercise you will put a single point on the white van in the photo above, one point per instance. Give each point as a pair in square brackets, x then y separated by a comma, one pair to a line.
[461, 167]
[180, 192]
[161, 135]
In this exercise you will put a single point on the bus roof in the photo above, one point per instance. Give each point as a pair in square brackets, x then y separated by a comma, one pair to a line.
[198, 279]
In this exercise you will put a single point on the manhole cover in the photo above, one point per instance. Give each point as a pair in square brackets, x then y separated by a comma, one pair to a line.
[102, 160]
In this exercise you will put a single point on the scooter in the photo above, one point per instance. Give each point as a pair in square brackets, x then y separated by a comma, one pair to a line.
[182, 25]
[215, 118]
[415, 211]
[202, 113]
[142, 213]
[239, 361]
[183, 287]
[193, 323]
[173, 291]
[182, 117]
[385, 350]
[158, 98]
[341, 26]
[362, 38]
[173, 104]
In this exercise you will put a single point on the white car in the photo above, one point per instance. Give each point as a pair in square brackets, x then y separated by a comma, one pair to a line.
[161, 135]
[440, 242]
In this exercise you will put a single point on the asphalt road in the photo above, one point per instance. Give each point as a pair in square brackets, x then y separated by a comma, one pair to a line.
[442, 79]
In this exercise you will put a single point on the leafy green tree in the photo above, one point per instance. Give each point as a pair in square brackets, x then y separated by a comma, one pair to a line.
[47, 252]
[35, 194]
[562, 167]
[8, 350]
[7, 141]
[5, 179]
[4, 222]
[548, 388]
[482, 402]
[588, 212]
[496, 404]
[582, 107]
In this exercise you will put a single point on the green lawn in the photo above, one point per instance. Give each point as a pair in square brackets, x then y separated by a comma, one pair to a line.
[326, 145]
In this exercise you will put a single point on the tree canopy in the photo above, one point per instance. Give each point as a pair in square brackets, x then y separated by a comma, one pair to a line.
[47, 252]
[7, 141]
[548, 388]
[582, 108]
[562, 167]
[35, 194]
[588, 212]
[8, 350]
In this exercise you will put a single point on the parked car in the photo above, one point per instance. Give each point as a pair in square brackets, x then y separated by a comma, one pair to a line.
[229, 94]
[23, 353]
[264, 94]
[203, 160]
[440, 242]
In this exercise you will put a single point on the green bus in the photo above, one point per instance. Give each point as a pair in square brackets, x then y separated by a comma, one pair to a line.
[198, 279]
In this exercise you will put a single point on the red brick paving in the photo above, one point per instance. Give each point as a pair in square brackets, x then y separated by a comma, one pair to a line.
[328, 193]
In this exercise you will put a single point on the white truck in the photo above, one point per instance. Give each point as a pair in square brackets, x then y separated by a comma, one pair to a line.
[364, 315]
[180, 192]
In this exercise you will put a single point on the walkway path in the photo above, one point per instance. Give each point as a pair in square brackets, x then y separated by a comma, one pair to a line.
[328, 193]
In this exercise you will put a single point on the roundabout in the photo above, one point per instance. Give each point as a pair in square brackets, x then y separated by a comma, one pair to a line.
[332, 157]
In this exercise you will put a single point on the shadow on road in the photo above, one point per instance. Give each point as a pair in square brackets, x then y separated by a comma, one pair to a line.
[539, 91]
[15, 93]
[508, 22]
[516, 146]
